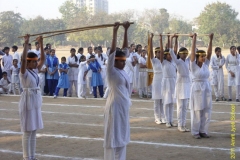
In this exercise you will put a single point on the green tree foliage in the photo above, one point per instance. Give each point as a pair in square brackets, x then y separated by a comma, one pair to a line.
[10, 23]
[220, 19]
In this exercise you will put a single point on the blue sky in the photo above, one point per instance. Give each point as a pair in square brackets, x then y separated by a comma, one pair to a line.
[188, 9]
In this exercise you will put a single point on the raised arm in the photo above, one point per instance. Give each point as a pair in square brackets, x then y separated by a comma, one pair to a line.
[126, 25]
[114, 40]
[209, 51]
[42, 56]
[194, 38]
[151, 47]
[171, 51]
[176, 44]
[24, 55]
[161, 49]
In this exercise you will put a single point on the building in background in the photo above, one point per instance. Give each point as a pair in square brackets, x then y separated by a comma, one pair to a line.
[94, 6]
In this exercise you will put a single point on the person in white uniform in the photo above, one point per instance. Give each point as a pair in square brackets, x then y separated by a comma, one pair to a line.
[136, 57]
[183, 83]
[89, 75]
[116, 114]
[156, 85]
[129, 69]
[142, 80]
[16, 54]
[15, 77]
[41, 75]
[217, 76]
[5, 84]
[7, 60]
[31, 100]
[200, 102]
[168, 85]
[232, 65]
[73, 63]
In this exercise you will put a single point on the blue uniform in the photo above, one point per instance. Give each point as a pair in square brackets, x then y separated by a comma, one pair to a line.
[63, 81]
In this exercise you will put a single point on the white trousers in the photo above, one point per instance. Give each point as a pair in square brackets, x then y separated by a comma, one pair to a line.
[89, 85]
[14, 89]
[158, 110]
[131, 88]
[5, 89]
[29, 145]
[237, 91]
[200, 121]
[168, 111]
[219, 91]
[182, 111]
[142, 91]
[82, 90]
[42, 87]
[72, 82]
[118, 153]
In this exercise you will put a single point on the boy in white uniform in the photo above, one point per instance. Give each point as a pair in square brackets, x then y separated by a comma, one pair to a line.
[5, 84]
[15, 77]
[7, 60]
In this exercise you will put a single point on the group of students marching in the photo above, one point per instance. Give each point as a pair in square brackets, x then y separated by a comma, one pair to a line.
[77, 70]
[178, 78]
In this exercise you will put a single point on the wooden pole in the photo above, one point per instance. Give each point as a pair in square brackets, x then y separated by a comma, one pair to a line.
[76, 29]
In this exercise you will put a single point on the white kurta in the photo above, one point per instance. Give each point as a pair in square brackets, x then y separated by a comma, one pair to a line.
[168, 82]
[42, 76]
[183, 82]
[232, 64]
[157, 79]
[201, 96]
[15, 74]
[72, 71]
[129, 69]
[116, 114]
[142, 79]
[82, 69]
[136, 71]
[217, 76]
[30, 102]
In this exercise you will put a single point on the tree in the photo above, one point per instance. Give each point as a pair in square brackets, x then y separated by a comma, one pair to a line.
[10, 23]
[220, 19]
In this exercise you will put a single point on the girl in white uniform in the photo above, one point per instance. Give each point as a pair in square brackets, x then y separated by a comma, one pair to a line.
[183, 83]
[41, 74]
[156, 85]
[168, 85]
[217, 76]
[72, 62]
[232, 65]
[200, 102]
[142, 84]
[31, 100]
[15, 76]
[116, 114]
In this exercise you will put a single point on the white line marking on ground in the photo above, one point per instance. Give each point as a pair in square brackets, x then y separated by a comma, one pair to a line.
[101, 125]
[133, 142]
[46, 155]
[82, 114]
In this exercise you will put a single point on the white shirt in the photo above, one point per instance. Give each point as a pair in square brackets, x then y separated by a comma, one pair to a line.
[101, 59]
[4, 83]
[8, 61]
[38, 52]
[82, 69]
[73, 71]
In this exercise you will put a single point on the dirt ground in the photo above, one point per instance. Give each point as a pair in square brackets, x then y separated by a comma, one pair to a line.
[73, 129]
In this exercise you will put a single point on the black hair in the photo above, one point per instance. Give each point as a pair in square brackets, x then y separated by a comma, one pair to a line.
[82, 57]
[80, 49]
[238, 48]
[74, 50]
[232, 47]
[15, 60]
[52, 50]
[36, 43]
[95, 48]
[136, 49]
[92, 56]
[89, 48]
[181, 50]
[217, 49]
[63, 58]
[28, 44]
[100, 48]
[46, 48]
[119, 53]
[164, 56]
[47, 44]
[6, 48]
[132, 44]
[15, 47]
[31, 55]
[4, 73]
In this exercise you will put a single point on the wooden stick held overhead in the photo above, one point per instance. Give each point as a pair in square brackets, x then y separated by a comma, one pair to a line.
[76, 29]
[182, 34]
